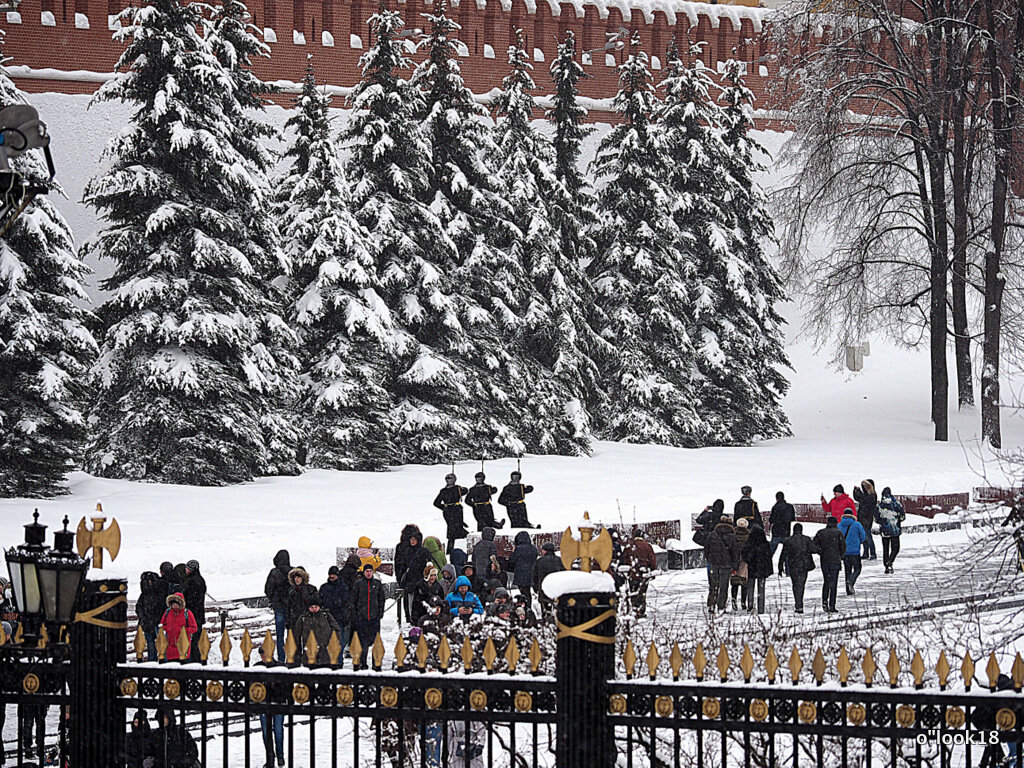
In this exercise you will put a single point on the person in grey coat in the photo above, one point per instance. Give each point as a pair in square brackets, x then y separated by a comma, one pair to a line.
[831, 546]
[524, 557]
[483, 550]
[723, 555]
[796, 554]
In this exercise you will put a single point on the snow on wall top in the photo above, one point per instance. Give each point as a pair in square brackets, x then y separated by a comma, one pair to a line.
[673, 9]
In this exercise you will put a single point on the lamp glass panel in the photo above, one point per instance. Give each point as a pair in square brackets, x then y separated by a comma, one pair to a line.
[48, 586]
[17, 583]
[33, 601]
[70, 583]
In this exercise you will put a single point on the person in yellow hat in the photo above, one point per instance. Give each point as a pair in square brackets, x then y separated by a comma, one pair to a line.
[366, 554]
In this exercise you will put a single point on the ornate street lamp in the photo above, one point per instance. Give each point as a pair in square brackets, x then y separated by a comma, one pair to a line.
[46, 582]
[21, 564]
[61, 573]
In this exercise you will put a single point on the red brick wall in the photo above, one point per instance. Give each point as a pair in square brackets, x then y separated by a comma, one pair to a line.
[68, 48]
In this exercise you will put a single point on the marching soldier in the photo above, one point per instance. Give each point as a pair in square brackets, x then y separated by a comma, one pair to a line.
[449, 501]
[513, 499]
[479, 497]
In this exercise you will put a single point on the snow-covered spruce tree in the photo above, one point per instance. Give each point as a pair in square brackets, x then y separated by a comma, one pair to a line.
[752, 327]
[344, 323]
[389, 171]
[571, 294]
[235, 42]
[559, 371]
[185, 374]
[465, 195]
[642, 272]
[45, 347]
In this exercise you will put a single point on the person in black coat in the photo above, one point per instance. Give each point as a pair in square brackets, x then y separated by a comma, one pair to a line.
[367, 610]
[796, 554]
[149, 609]
[336, 593]
[301, 595]
[170, 577]
[513, 499]
[722, 554]
[546, 564]
[758, 557]
[276, 589]
[781, 519]
[416, 559]
[172, 746]
[449, 501]
[138, 745]
[747, 507]
[867, 507]
[437, 618]
[831, 546]
[524, 558]
[479, 498]
[403, 559]
[194, 590]
[425, 588]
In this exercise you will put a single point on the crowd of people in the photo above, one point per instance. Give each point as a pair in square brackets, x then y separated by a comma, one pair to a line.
[740, 554]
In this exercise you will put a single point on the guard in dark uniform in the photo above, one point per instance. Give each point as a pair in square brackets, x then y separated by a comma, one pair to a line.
[513, 499]
[479, 498]
[449, 501]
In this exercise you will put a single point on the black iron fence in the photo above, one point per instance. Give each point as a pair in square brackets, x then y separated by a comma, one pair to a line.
[467, 700]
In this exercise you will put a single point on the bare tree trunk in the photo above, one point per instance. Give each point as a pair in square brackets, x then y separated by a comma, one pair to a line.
[1005, 51]
[958, 275]
[937, 311]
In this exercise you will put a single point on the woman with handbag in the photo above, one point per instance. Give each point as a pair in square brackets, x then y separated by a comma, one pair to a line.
[796, 554]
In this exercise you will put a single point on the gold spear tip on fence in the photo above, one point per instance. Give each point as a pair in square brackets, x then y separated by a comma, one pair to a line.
[869, 668]
[675, 660]
[942, 669]
[653, 661]
[44, 637]
[917, 669]
[290, 647]
[723, 662]
[467, 654]
[3, 635]
[893, 668]
[423, 652]
[771, 664]
[246, 646]
[535, 656]
[700, 662]
[818, 666]
[225, 647]
[334, 649]
[444, 653]
[401, 651]
[512, 655]
[183, 644]
[629, 659]
[992, 670]
[161, 644]
[490, 654]
[312, 649]
[795, 665]
[843, 666]
[204, 646]
[1017, 673]
[356, 649]
[139, 644]
[378, 652]
[746, 663]
[967, 670]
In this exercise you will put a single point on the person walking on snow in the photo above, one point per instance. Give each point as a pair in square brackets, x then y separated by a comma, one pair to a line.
[890, 517]
[723, 555]
[747, 508]
[175, 619]
[779, 521]
[796, 554]
[738, 578]
[479, 498]
[149, 609]
[276, 589]
[513, 499]
[840, 501]
[449, 501]
[758, 557]
[867, 506]
[854, 534]
[831, 547]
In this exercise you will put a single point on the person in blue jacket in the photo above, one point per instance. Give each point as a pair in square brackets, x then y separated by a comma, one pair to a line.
[462, 602]
[890, 516]
[855, 538]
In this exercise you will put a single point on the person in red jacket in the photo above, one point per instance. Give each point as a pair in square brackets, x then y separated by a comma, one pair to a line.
[840, 502]
[176, 617]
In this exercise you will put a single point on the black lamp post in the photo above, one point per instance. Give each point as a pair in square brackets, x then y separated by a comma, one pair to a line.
[21, 564]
